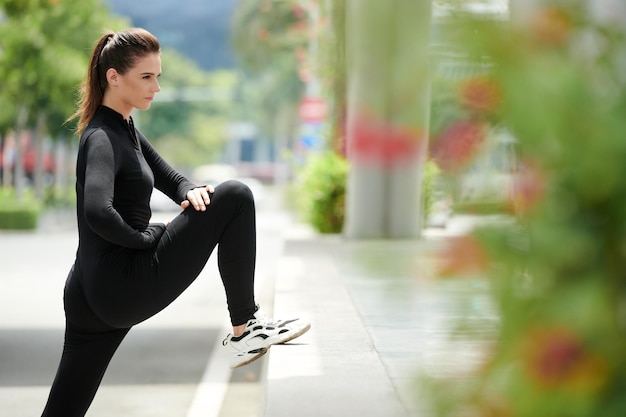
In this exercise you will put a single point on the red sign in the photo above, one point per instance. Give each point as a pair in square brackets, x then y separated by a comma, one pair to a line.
[312, 109]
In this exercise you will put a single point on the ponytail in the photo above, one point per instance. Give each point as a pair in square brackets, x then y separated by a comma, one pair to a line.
[92, 89]
[120, 51]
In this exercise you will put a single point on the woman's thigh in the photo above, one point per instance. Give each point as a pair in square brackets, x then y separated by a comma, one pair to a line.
[192, 236]
[130, 292]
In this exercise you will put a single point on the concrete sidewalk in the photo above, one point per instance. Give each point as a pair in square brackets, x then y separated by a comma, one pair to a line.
[379, 319]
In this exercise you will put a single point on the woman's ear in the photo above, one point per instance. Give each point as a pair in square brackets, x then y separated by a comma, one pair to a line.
[112, 76]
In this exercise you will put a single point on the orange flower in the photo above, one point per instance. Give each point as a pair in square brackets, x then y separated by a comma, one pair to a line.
[492, 406]
[462, 256]
[528, 187]
[300, 27]
[263, 34]
[551, 26]
[300, 54]
[480, 94]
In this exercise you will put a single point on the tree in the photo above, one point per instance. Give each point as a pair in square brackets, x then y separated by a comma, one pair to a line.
[267, 36]
[188, 120]
[45, 49]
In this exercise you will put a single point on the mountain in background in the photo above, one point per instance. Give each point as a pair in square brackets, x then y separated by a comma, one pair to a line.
[199, 29]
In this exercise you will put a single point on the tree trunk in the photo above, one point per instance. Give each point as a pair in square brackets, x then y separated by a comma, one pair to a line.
[7, 161]
[59, 175]
[387, 116]
[38, 174]
[283, 131]
[18, 178]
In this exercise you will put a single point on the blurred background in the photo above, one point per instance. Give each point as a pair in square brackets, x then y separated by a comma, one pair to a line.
[256, 90]
[385, 120]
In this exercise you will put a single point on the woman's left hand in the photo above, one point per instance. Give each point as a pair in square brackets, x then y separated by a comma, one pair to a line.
[198, 198]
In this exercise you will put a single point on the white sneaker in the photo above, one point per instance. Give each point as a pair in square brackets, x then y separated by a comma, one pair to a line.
[261, 333]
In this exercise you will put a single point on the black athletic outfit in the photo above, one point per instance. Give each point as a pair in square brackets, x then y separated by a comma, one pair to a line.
[127, 270]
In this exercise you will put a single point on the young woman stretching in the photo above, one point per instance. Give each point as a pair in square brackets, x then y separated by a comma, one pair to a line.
[127, 270]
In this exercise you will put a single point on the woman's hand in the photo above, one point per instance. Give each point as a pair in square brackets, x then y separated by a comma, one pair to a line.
[198, 198]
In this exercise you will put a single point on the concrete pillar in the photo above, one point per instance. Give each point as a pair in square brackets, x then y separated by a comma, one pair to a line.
[387, 117]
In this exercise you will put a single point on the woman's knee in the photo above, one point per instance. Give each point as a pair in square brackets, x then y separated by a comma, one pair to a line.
[234, 190]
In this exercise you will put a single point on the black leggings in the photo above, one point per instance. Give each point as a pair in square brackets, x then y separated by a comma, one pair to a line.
[91, 339]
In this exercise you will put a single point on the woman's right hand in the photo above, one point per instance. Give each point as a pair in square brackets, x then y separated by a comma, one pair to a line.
[198, 198]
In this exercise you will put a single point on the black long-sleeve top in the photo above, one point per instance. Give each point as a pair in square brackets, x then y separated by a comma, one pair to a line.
[116, 171]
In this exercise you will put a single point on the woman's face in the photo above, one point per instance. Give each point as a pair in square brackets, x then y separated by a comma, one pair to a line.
[137, 87]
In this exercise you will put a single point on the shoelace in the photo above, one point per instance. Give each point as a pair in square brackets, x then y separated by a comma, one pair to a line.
[264, 321]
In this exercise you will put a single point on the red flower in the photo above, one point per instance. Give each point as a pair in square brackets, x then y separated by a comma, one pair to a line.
[298, 11]
[382, 143]
[462, 256]
[557, 357]
[552, 355]
[458, 144]
[480, 94]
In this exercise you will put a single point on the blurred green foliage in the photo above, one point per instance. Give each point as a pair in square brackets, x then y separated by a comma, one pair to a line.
[270, 39]
[322, 191]
[45, 48]
[23, 215]
[190, 130]
[557, 272]
[431, 178]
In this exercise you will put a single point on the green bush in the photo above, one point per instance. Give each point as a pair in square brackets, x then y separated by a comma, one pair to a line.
[18, 215]
[322, 189]
[429, 187]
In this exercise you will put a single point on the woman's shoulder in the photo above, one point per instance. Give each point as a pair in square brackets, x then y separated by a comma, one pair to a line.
[99, 140]
[95, 133]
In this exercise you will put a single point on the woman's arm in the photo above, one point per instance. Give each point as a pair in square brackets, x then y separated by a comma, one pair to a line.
[99, 189]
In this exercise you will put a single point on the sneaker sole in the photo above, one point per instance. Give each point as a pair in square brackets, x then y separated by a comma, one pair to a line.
[266, 349]
[251, 359]
[293, 336]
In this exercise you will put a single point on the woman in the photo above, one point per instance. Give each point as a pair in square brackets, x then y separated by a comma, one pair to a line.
[127, 270]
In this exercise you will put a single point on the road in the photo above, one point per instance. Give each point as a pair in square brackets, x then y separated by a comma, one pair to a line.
[170, 365]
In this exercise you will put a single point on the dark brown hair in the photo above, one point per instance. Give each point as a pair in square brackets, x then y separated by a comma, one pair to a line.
[118, 50]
